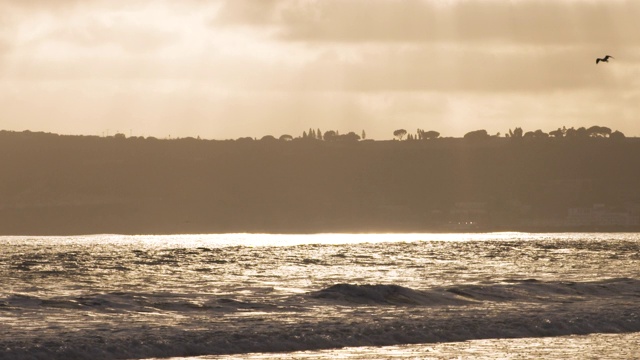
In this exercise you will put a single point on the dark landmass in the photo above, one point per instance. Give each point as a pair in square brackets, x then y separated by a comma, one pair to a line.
[51, 184]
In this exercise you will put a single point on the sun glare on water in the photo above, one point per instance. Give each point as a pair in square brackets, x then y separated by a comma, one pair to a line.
[258, 240]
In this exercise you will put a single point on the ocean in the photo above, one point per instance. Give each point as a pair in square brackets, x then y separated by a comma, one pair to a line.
[321, 296]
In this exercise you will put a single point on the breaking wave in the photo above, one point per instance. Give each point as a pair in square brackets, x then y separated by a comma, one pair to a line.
[386, 295]
[343, 315]
[530, 290]
[109, 297]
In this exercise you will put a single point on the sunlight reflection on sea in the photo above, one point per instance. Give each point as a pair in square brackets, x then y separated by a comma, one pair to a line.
[108, 296]
[242, 239]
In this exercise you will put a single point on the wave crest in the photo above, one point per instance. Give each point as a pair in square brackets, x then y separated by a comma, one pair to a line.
[529, 290]
[386, 294]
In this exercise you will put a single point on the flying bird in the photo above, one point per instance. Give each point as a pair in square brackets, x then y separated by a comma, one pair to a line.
[605, 59]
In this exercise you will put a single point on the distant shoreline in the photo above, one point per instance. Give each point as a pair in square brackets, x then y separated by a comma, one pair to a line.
[530, 230]
[61, 185]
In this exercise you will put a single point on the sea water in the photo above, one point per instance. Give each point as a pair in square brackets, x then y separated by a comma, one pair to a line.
[504, 295]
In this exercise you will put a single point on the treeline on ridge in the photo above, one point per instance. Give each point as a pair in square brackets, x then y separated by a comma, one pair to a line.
[84, 184]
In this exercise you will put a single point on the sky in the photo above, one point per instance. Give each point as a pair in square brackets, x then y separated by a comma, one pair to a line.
[224, 69]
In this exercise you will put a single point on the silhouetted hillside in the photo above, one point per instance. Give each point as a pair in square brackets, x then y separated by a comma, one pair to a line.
[54, 184]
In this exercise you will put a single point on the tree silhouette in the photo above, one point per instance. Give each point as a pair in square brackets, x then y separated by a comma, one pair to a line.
[330, 135]
[286, 137]
[427, 135]
[557, 133]
[268, 138]
[351, 136]
[516, 133]
[400, 133]
[538, 134]
[582, 132]
[477, 135]
[616, 135]
[599, 131]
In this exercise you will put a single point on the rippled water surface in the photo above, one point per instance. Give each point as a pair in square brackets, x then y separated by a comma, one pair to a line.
[107, 296]
[594, 346]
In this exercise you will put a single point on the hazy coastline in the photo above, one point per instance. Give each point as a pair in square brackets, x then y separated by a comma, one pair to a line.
[60, 185]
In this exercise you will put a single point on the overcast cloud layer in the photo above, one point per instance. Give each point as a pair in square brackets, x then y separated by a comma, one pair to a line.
[226, 69]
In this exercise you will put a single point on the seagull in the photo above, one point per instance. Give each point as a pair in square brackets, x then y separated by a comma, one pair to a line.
[605, 59]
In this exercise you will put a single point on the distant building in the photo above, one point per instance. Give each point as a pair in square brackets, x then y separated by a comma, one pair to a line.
[468, 213]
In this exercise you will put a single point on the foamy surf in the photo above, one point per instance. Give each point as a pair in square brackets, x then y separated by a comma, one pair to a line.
[367, 315]
[136, 299]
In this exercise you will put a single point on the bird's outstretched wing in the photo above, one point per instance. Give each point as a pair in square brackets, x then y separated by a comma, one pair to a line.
[598, 60]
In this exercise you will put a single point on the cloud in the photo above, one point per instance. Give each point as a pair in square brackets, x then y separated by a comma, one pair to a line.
[527, 46]
[469, 69]
[29, 3]
[5, 34]
[522, 22]
[40, 28]
[372, 70]
[260, 12]
[4, 47]
[29, 7]
[128, 36]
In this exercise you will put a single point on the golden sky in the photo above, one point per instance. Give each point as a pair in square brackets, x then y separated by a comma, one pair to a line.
[231, 68]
